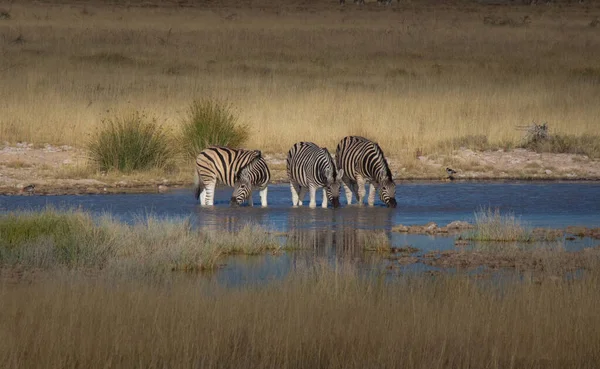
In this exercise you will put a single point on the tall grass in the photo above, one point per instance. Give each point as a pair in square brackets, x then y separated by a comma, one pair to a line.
[323, 320]
[569, 144]
[73, 239]
[491, 225]
[398, 76]
[208, 123]
[128, 143]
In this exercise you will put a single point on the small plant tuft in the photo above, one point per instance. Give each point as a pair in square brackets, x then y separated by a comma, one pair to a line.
[490, 225]
[209, 123]
[128, 143]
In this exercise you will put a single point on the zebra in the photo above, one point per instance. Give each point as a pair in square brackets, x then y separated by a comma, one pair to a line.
[311, 167]
[242, 169]
[363, 162]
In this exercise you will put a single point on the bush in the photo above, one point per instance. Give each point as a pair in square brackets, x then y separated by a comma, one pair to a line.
[208, 123]
[130, 143]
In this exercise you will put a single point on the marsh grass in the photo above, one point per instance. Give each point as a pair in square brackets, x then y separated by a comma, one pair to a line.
[374, 241]
[209, 123]
[73, 239]
[130, 142]
[325, 319]
[246, 240]
[49, 238]
[491, 225]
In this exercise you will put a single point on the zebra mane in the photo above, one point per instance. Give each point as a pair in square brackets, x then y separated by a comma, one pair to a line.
[257, 157]
[331, 162]
[388, 172]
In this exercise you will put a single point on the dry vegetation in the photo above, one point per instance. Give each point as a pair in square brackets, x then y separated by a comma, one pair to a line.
[317, 320]
[51, 239]
[415, 76]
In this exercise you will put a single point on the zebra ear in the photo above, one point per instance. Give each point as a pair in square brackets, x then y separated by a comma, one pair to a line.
[258, 153]
[340, 173]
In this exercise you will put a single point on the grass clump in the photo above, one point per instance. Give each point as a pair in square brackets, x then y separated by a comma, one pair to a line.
[53, 238]
[50, 238]
[490, 225]
[251, 239]
[128, 143]
[208, 123]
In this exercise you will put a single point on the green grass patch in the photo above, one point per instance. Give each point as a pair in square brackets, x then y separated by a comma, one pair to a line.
[131, 142]
[208, 123]
[49, 238]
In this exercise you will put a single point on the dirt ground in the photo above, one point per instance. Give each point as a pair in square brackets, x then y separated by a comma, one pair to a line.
[65, 169]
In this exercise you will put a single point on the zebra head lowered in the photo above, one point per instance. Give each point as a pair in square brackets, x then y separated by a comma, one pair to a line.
[333, 182]
[387, 192]
[255, 174]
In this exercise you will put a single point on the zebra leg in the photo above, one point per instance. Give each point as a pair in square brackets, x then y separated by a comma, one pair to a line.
[295, 189]
[263, 197]
[203, 196]
[210, 194]
[313, 197]
[360, 190]
[324, 204]
[372, 191]
[302, 195]
[348, 190]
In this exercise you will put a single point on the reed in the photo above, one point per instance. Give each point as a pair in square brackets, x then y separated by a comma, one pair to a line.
[325, 319]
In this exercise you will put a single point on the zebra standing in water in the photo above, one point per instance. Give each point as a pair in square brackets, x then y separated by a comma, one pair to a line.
[363, 162]
[311, 167]
[242, 169]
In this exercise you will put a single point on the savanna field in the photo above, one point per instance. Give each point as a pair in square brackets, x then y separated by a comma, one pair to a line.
[412, 76]
[79, 290]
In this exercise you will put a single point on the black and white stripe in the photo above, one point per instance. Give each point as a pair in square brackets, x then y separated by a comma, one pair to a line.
[244, 170]
[363, 162]
[310, 167]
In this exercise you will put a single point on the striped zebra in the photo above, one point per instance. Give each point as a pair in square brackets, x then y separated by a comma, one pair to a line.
[245, 170]
[311, 167]
[363, 162]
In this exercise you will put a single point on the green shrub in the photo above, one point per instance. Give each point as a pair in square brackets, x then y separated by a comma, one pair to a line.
[128, 143]
[208, 123]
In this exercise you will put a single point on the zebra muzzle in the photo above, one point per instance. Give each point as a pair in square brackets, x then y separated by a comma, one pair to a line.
[234, 202]
[335, 202]
[392, 203]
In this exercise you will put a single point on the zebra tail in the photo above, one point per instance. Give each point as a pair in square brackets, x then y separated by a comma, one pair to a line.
[198, 185]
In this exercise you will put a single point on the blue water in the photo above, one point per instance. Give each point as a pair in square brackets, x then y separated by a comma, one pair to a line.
[337, 234]
[538, 204]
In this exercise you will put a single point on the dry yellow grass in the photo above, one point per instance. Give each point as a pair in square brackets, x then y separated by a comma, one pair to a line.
[323, 319]
[409, 76]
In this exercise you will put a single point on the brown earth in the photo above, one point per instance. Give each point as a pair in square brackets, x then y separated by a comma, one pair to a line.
[64, 170]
